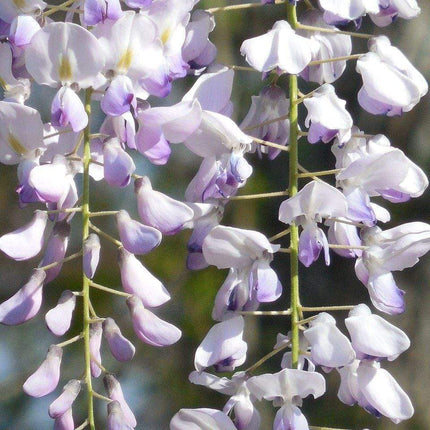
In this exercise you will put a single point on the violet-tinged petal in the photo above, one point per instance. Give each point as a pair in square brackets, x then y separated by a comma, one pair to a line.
[118, 165]
[136, 237]
[58, 319]
[120, 347]
[45, 379]
[286, 385]
[51, 181]
[65, 421]
[201, 419]
[280, 48]
[149, 328]
[372, 336]
[213, 89]
[64, 53]
[96, 11]
[65, 400]
[91, 255]
[119, 97]
[312, 241]
[222, 385]
[329, 347]
[160, 211]
[25, 303]
[290, 417]
[56, 249]
[116, 419]
[222, 347]
[383, 393]
[137, 280]
[265, 282]
[385, 294]
[115, 393]
[227, 247]
[22, 30]
[17, 141]
[67, 108]
[27, 241]
[96, 332]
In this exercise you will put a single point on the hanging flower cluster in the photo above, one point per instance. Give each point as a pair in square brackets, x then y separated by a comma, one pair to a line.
[122, 54]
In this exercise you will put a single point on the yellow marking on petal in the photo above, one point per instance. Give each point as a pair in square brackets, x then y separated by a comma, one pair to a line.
[15, 144]
[3, 83]
[124, 62]
[166, 35]
[65, 69]
[20, 4]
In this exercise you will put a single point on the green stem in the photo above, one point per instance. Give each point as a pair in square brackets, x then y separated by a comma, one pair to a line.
[85, 280]
[292, 191]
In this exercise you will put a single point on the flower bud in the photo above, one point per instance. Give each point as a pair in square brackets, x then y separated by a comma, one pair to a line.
[45, 379]
[120, 347]
[95, 344]
[63, 403]
[58, 319]
[91, 255]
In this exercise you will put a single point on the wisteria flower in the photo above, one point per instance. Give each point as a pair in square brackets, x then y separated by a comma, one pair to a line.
[223, 347]
[313, 202]
[383, 68]
[280, 49]
[196, 419]
[327, 117]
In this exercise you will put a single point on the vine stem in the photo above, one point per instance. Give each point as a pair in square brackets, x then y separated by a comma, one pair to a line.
[85, 280]
[56, 8]
[292, 191]
[239, 6]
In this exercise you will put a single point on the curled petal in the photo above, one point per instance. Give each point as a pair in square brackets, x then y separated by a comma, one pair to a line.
[27, 241]
[136, 237]
[118, 165]
[65, 421]
[67, 108]
[137, 280]
[115, 393]
[24, 304]
[120, 347]
[65, 401]
[372, 336]
[96, 331]
[91, 255]
[45, 379]
[149, 328]
[160, 211]
[116, 419]
[58, 319]
[56, 249]
[222, 347]
[201, 419]
[329, 347]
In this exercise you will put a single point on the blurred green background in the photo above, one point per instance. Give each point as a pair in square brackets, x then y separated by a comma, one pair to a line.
[155, 382]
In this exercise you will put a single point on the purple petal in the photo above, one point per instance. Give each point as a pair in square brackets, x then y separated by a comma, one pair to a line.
[137, 280]
[24, 304]
[91, 255]
[58, 319]
[115, 393]
[222, 347]
[65, 401]
[119, 97]
[160, 211]
[118, 165]
[67, 108]
[23, 28]
[265, 282]
[116, 419]
[203, 418]
[96, 11]
[96, 332]
[136, 237]
[312, 240]
[45, 379]
[27, 241]
[385, 294]
[149, 328]
[65, 421]
[56, 249]
[120, 347]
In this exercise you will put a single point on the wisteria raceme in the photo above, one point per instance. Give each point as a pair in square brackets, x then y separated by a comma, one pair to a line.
[116, 114]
